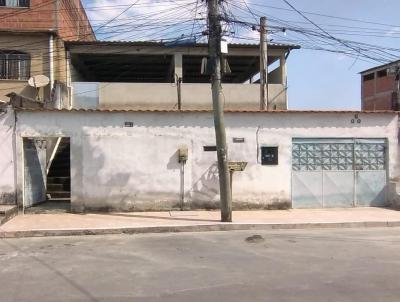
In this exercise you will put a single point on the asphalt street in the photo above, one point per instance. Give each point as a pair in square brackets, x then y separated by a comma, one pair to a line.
[285, 265]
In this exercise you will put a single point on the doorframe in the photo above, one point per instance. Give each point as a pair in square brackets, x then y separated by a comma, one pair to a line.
[21, 165]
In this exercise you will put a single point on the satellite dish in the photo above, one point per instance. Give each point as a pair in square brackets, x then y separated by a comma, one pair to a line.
[39, 81]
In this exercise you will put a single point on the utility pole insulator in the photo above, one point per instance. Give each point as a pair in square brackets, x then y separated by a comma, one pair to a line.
[214, 48]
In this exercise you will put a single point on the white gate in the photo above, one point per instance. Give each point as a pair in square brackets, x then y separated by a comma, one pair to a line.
[338, 173]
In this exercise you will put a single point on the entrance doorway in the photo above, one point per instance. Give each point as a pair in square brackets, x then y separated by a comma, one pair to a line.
[47, 174]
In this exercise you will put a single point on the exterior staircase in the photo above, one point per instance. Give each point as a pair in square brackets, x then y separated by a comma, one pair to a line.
[59, 176]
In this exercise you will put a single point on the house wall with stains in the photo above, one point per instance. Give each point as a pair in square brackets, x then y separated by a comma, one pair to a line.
[7, 156]
[129, 160]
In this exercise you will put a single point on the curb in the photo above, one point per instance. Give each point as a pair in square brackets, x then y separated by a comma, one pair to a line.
[9, 214]
[194, 228]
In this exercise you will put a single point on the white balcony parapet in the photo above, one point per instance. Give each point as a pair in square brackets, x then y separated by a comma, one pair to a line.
[93, 95]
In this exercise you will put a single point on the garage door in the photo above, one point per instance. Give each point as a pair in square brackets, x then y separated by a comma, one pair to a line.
[338, 173]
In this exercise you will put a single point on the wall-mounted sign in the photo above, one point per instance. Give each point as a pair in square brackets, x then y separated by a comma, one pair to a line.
[237, 166]
[210, 148]
[238, 140]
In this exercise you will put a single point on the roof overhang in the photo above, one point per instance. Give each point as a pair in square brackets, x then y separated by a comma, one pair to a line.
[137, 47]
[110, 61]
[380, 67]
[210, 111]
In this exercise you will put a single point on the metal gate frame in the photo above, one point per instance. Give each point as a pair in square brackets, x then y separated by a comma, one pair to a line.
[355, 200]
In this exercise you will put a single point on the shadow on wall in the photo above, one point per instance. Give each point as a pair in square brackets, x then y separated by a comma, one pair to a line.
[173, 163]
[35, 184]
[205, 190]
[102, 195]
[120, 175]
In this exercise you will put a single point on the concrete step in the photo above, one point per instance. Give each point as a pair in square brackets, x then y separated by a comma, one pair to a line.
[7, 212]
[59, 194]
[60, 163]
[59, 199]
[7, 203]
[55, 187]
[60, 173]
[58, 180]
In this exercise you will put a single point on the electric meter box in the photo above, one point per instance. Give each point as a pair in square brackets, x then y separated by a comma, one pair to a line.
[183, 154]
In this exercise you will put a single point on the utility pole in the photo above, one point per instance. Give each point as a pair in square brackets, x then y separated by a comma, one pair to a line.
[214, 49]
[264, 100]
[397, 78]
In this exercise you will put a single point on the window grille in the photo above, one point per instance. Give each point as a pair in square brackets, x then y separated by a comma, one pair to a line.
[14, 65]
[14, 3]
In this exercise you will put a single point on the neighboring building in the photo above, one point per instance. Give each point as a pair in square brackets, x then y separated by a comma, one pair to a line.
[129, 160]
[66, 18]
[150, 75]
[379, 88]
[31, 43]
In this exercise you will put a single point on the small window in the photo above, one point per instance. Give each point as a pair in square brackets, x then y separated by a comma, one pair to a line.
[382, 73]
[269, 156]
[14, 3]
[14, 65]
[369, 77]
[210, 148]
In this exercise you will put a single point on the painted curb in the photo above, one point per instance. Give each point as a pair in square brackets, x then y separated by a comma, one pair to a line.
[195, 228]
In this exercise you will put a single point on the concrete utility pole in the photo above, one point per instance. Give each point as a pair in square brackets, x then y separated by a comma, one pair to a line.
[264, 101]
[397, 78]
[214, 49]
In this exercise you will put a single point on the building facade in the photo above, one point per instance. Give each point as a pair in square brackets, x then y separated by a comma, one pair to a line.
[129, 160]
[67, 18]
[380, 87]
[32, 35]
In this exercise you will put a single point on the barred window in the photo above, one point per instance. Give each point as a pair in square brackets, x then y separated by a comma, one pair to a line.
[14, 3]
[14, 65]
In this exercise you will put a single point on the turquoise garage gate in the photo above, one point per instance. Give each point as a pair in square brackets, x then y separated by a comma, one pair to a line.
[328, 173]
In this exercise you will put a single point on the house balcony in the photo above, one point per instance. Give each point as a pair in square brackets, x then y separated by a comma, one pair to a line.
[151, 76]
[169, 96]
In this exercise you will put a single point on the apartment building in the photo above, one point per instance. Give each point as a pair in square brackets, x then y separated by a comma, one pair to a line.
[32, 35]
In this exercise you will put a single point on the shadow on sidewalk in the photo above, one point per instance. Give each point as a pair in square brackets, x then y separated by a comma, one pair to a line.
[160, 217]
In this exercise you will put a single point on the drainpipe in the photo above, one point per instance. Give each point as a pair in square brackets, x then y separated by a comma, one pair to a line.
[69, 78]
[56, 11]
[51, 62]
[182, 192]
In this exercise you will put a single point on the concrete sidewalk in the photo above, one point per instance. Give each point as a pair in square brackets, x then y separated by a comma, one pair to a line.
[64, 224]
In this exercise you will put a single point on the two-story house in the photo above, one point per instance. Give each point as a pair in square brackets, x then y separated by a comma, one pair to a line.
[152, 75]
[31, 42]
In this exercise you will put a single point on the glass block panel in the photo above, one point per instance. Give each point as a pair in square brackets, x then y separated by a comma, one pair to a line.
[370, 156]
[323, 156]
[360, 154]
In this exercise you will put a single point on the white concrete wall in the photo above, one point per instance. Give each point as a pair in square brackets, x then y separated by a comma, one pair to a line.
[165, 96]
[7, 168]
[137, 168]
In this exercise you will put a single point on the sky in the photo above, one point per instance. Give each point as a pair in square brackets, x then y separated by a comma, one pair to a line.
[316, 79]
